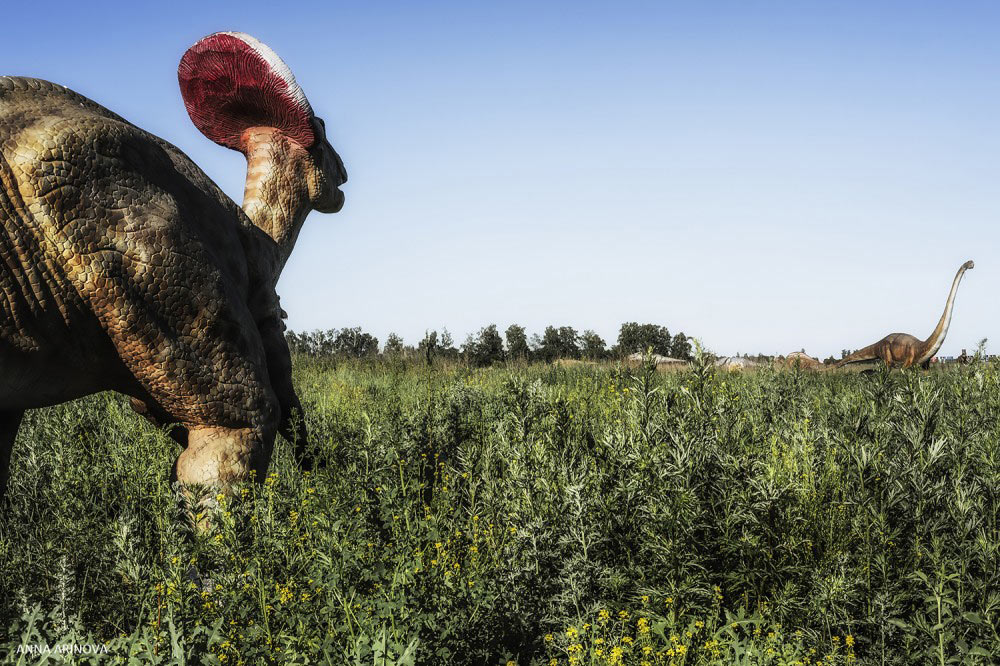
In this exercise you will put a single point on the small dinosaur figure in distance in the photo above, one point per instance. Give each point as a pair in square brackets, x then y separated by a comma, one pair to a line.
[903, 350]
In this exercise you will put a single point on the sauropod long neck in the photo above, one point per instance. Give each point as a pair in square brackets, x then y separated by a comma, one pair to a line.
[936, 339]
[276, 196]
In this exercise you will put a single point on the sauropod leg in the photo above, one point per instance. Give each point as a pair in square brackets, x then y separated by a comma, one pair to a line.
[9, 423]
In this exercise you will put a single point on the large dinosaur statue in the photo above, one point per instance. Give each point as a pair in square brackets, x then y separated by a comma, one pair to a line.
[901, 349]
[124, 267]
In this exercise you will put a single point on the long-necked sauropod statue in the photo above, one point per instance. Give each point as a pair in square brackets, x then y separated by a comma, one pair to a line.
[124, 267]
[901, 349]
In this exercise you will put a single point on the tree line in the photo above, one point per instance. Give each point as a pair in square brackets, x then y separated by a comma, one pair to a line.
[488, 346]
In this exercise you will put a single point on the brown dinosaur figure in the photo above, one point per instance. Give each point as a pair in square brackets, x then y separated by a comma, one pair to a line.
[903, 350]
[124, 267]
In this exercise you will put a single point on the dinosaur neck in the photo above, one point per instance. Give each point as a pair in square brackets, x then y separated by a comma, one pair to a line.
[933, 343]
[276, 197]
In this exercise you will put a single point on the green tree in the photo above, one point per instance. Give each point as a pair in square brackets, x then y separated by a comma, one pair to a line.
[298, 343]
[393, 345]
[592, 346]
[437, 346]
[314, 343]
[428, 347]
[547, 346]
[680, 347]
[637, 338]
[484, 348]
[562, 342]
[981, 350]
[517, 342]
[355, 343]
[446, 347]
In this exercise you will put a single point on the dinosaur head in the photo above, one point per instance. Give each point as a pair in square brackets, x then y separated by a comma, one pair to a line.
[969, 264]
[327, 172]
[239, 93]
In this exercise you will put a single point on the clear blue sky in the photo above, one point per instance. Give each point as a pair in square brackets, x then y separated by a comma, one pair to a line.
[765, 175]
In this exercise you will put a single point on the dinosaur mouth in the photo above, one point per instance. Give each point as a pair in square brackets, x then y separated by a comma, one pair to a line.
[333, 203]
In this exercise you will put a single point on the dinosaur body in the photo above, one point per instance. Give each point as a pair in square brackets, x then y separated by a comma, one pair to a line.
[896, 349]
[124, 267]
[904, 350]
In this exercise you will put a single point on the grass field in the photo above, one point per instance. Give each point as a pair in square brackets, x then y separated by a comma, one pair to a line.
[530, 515]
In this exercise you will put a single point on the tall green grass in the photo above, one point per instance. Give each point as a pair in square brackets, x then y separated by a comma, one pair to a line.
[534, 515]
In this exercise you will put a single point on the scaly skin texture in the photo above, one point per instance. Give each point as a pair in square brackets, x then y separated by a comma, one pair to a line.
[124, 267]
[904, 350]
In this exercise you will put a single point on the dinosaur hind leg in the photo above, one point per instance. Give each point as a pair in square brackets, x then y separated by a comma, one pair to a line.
[230, 440]
[215, 458]
[216, 386]
[9, 423]
[216, 455]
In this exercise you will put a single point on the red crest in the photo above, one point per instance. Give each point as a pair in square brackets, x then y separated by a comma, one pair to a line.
[231, 82]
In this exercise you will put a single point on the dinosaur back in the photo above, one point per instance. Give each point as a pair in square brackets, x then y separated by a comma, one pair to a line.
[110, 231]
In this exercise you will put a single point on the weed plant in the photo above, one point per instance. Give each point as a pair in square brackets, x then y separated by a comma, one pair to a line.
[529, 515]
